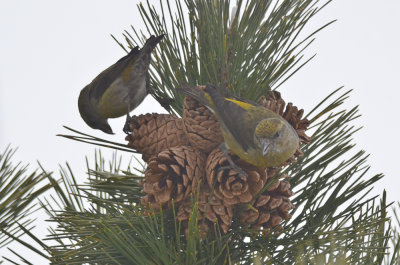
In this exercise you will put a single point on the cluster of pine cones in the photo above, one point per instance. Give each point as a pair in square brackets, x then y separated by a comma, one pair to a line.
[185, 165]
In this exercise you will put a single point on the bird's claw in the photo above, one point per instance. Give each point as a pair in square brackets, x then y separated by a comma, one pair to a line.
[127, 126]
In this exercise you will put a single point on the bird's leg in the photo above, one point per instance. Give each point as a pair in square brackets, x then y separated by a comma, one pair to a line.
[232, 165]
[127, 128]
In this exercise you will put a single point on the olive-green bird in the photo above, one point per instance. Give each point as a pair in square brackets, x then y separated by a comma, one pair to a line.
[119, 89]
[257, 135]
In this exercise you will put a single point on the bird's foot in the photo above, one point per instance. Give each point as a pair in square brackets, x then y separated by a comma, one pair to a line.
[127, 126]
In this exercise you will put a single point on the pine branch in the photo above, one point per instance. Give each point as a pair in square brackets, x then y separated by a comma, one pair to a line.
[336, 220]
[247, 55]
[394, 257]
[87, 138]
[18, 190]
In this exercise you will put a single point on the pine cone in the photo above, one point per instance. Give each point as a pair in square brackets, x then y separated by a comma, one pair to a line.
[201, 126]
[230, 186]
[153, 133]
[211, 210]
[270, 208]
[172, 174]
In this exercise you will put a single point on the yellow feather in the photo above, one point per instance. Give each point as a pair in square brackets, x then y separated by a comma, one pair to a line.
[241, 104]
[126, 74]
[210, 101]
[111, 104]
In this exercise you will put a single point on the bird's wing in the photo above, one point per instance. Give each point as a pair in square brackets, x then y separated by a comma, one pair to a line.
[235, 117]
[105, 78]
[194, 92]
[149, 89]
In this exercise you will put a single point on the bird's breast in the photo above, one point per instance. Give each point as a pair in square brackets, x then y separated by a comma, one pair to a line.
[137, 93]
[114, 102]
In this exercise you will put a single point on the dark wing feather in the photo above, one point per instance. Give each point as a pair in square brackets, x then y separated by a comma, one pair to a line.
[105, 78]
[194, 92]
[233, 116]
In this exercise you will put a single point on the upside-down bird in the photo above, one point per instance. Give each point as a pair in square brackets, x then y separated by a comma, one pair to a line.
[119, 89]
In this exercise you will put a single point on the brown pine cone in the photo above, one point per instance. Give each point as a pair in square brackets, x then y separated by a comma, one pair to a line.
[211, 210]
[294, 116]
[153, 133]
[172, 174]
[201, 126]
[270, 208]
[230, 186]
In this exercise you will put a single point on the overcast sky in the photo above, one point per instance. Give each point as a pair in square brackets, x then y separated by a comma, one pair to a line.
[49, 50]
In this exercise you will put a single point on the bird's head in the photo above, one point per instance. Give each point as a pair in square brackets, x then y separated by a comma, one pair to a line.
[96, 122]
[101, 125]
[90, 114]
[267, 132]
[277, 140]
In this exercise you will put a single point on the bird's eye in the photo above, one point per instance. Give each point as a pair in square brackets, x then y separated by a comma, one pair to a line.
[277, 135]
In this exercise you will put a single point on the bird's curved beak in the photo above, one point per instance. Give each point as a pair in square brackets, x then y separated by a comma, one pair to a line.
[265, 147]
[107, 129]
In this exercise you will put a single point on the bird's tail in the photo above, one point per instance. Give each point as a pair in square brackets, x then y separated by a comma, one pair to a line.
[195, 92]
[151, 43]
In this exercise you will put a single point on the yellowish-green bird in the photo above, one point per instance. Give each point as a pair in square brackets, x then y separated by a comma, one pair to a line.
[257, 135]
[119, 89]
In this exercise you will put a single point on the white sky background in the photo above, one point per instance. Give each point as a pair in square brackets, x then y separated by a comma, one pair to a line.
[49, 50]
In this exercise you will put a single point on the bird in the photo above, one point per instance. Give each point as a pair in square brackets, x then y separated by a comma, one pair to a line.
[256, 134]
[119, 89]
